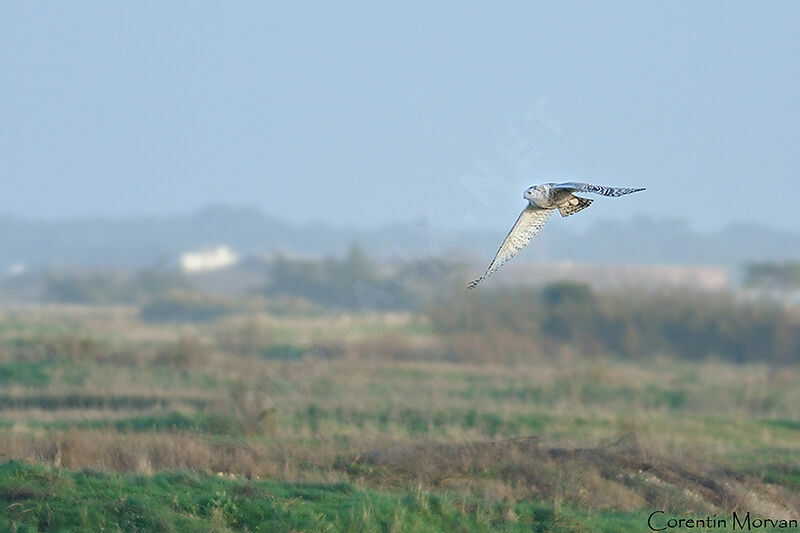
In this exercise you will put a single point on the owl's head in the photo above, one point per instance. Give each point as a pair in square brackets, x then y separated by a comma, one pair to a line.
[537, 194]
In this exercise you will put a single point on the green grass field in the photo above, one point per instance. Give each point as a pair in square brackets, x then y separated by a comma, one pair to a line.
[371, 422]
[39, 498]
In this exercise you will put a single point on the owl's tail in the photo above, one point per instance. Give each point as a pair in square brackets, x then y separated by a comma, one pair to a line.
[568, 210]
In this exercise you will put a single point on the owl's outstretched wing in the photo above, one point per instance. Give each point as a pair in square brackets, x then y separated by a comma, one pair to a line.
[528, 224]
[574, 186]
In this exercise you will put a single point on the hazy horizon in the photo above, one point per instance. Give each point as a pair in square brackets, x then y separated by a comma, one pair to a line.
[572, 226]
[359, 116]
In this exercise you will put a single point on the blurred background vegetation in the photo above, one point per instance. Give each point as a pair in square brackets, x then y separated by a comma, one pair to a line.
[755, 322]
[373, 394]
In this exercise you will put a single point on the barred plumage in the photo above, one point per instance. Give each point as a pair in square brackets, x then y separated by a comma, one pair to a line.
[542, 201]
[528, 224]
[576, 204]
[573, 186]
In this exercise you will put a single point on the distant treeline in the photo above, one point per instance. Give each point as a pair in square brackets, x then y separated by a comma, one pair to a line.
[162, 295]
[556, 317]
[775, 276]
[356, 281]
[690, 325]
[110, 288]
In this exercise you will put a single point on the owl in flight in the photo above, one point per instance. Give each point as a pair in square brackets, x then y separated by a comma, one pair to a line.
[542, 201]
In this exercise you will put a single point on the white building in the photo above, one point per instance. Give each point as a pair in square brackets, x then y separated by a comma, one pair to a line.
[208, 260]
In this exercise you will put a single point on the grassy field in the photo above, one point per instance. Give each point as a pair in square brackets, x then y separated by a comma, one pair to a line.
[371, 422]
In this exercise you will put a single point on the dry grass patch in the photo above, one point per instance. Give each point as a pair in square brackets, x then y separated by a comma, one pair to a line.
[619, 476]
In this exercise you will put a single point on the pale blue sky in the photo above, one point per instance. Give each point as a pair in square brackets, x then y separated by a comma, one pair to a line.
[354, 113]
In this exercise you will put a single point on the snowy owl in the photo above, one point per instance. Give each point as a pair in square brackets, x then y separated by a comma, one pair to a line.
[542, 201]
